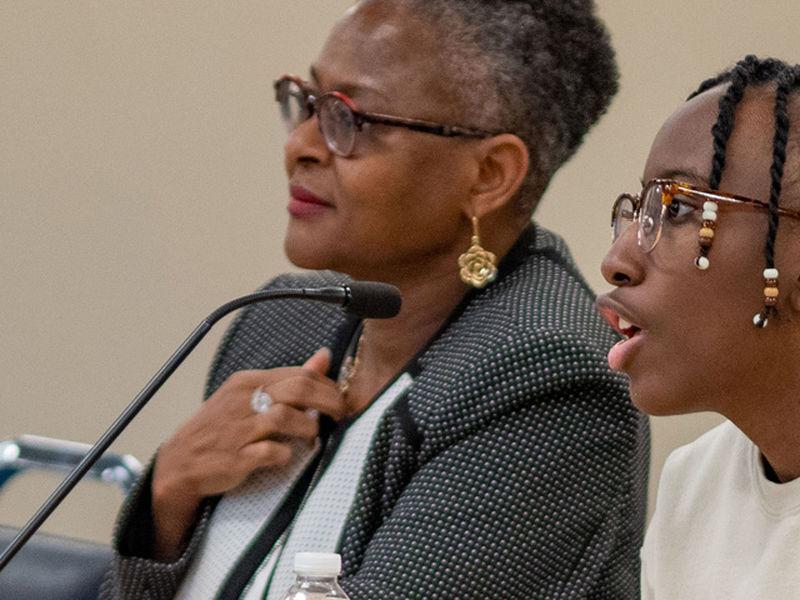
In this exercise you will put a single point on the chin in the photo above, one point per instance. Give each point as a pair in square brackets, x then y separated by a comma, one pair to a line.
[660, 399]
[308, 260]
[308, 252]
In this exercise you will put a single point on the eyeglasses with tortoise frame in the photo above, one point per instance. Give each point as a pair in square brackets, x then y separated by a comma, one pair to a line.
[664, 200]
[340, 119]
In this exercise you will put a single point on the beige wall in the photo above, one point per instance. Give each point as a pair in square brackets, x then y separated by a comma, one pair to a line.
[141, 186]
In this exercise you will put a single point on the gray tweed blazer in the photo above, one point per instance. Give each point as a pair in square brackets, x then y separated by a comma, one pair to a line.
[515, 468]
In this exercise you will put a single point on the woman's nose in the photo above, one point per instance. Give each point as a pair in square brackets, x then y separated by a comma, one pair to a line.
[623, 265]
[306, 145]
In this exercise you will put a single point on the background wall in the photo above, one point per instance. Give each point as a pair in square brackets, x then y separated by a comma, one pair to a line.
[141, 185]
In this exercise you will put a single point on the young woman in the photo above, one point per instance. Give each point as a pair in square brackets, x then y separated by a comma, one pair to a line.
[708, 298]
[474, 446]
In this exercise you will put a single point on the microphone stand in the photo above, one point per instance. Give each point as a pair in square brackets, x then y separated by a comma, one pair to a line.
[338, 295]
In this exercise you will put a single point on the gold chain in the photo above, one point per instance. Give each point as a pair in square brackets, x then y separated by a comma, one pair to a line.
[350, 367]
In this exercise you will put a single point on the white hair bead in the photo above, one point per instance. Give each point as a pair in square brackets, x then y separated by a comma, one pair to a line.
[702, 263]
[710, 206]
[760, 320]
[709, 215]
[770, 273]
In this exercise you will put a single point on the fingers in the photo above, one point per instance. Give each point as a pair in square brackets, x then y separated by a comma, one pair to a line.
[304, 388]
[319, 362]
[282, 422]
[265, 453]
[307, 394]
[316, 367]
[226, 439]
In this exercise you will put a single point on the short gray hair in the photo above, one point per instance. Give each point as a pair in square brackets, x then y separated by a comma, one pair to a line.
[541, 69]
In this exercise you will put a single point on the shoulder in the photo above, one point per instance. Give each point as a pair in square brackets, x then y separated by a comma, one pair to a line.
[540, 295]
[537, 323]
[696, 473]
[691, 460]
[702, 490]
[532, 341]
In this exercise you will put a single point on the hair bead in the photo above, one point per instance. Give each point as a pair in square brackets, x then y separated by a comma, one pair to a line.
[752, 71]
[707, 232]
[705, 238]
[702, 263]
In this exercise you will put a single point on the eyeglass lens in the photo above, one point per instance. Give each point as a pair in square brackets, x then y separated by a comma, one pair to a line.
[650, 216]
[293, 103]
[336, 119]
[338, 124]
[624, 212]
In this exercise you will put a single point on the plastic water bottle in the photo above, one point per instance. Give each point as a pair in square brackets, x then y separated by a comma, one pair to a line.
[316, 577]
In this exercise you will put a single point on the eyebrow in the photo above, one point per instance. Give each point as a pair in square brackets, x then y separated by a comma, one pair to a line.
[688, 175]
[351, 89]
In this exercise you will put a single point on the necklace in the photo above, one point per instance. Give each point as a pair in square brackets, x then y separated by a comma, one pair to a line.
[350, 367]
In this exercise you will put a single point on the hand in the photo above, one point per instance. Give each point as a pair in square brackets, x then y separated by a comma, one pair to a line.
[225, 441]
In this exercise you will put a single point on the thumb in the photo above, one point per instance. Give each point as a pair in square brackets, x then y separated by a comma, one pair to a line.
[319, 362]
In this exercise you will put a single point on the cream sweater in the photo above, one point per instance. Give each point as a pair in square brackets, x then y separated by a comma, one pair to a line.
[721, 529]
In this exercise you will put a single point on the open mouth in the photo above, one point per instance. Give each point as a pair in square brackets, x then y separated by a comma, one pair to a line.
[618, 323]
[625, 328]
[622, 353]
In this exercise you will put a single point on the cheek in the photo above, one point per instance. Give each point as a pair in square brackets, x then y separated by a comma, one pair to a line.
[413, 191]
[701, 334]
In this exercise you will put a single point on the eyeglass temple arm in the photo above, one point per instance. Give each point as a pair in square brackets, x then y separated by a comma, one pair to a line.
[419, 125]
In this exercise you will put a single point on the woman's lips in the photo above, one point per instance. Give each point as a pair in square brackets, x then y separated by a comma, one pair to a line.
[620, 354]
[303, 203]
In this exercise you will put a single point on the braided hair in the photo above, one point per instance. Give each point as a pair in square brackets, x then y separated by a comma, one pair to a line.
[752, 71]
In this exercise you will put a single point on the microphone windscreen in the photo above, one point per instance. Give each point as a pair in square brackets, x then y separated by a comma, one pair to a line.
[373, 300]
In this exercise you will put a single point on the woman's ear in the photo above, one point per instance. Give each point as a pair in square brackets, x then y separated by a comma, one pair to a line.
[503, 162]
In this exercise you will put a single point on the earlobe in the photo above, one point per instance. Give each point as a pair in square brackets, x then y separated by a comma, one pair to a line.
[503, 165]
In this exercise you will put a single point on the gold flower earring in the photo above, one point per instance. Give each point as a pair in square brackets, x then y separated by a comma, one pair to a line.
[478, 265]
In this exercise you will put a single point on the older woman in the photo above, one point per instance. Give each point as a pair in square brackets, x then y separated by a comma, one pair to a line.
[476, 444]
[709, 299]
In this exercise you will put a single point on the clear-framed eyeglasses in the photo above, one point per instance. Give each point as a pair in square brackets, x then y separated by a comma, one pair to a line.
[340, 120]
[666, 203]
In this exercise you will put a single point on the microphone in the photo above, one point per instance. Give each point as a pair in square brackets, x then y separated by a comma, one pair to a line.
[366, 299]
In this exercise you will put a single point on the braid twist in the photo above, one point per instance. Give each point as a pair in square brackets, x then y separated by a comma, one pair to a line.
[710, 83]
[767, 70]
[785, 82]
[755, 72]
[739, 76]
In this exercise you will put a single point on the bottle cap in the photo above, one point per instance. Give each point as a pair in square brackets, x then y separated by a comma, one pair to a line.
[317, 564]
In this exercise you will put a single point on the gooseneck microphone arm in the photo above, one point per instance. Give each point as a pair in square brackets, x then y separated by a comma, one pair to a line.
[363, 298]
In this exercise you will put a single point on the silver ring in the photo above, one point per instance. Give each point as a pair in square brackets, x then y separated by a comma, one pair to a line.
[260, 401]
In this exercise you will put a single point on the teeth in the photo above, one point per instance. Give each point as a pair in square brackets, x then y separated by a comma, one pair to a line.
[623, 324]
